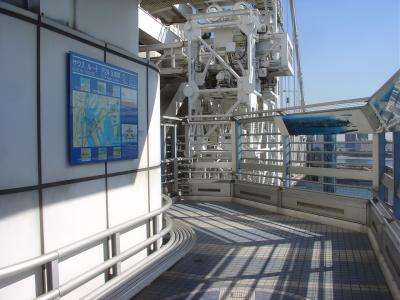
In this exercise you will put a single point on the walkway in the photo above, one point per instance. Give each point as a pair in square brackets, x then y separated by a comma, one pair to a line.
[245, 253]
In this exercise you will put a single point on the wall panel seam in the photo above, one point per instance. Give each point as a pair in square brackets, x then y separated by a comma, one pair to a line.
[17, 16]
[78, 38]
[72, 181]
[148, 156]
[39, 147]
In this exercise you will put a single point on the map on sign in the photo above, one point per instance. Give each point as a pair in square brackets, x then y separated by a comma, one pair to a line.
[103, 112]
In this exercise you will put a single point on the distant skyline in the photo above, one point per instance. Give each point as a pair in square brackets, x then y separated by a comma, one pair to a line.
[349, 48]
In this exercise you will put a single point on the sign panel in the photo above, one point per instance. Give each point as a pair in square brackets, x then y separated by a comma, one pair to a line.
[386, 104]
[334, 122]
[382, 113]
[103, 111]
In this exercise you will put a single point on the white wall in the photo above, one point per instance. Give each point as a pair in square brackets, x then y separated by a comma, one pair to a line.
[18, 112]
[20, 235]
[62, 11]
[70, 213]
[19, 213]
[114, 22]
[72, 208]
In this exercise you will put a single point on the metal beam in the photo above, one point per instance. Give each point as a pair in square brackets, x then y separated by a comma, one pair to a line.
[396, 174]
[338, 173]
[219, 58]
[297, 50]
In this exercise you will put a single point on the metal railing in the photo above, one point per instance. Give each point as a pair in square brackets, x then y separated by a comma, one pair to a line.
[52, 259]
[173, 163]
[209, 152]
[135, 278]
[320, 107]
[343, 164]
[389, 155]
[257, 153]
[305, 162]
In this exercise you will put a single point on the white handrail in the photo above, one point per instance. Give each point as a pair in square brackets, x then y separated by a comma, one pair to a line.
[81, 245]
[74, 283]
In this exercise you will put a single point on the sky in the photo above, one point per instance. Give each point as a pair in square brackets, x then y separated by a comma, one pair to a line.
[349, 48]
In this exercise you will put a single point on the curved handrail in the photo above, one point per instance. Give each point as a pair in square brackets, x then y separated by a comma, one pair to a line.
[386, 221]
[140, 275]
[77, 281]
[82, 244]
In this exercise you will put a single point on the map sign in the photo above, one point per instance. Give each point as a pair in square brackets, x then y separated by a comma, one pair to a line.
[103, 111]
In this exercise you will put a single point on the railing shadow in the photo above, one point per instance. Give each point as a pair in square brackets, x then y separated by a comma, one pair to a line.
[241, 248]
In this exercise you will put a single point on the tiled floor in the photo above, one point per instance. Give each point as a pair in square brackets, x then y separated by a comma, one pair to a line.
[246, 253]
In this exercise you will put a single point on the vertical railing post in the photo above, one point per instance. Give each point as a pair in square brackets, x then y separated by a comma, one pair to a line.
[52, 275]
[162, 137]
[116, 250]
[329, 183]
[163, 164]
[175, 154]
[157, 243]
[236, 146]
[188, 133]
[173, 64]
[378, 165]
[286, 161]
[188, 144]
[165, 143]
[396, 174]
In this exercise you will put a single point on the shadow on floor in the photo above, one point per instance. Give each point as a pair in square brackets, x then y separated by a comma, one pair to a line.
[246, 253]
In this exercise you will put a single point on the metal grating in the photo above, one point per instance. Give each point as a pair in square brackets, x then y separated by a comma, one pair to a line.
[252, 254]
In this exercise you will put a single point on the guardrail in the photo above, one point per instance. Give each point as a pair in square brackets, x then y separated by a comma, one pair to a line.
[338, 165]
[257, 152]
[135, 278]
[51, 259]
[386, 220]
[385, 241]
[320, 107]
[173, 164]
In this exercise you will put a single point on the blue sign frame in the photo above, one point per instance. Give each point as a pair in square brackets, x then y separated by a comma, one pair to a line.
[309, 124]
[103, 111]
